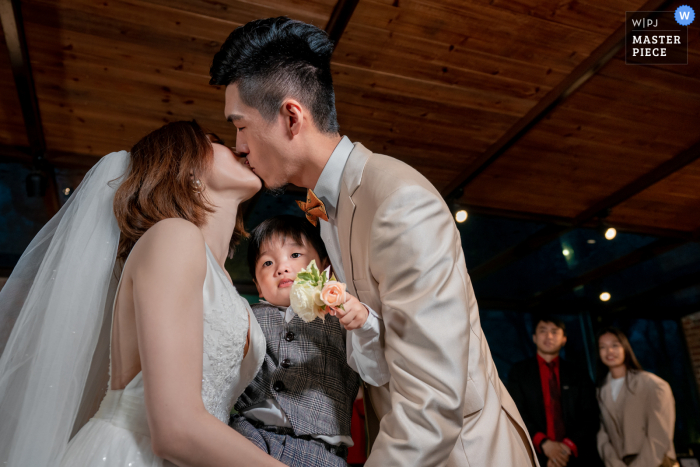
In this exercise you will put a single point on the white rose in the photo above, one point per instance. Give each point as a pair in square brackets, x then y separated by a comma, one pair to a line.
[302, 301]
[317, 298]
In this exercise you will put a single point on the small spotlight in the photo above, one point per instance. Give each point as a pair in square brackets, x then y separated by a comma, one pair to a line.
[610, 233]
[66, 191]
[565, 252]
[591, 241]
[461, 216]
[604, 297]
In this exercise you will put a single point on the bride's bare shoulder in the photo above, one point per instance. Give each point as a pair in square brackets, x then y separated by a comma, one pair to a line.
[171, 243]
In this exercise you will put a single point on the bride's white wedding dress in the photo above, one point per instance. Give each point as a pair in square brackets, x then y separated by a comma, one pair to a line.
[118, 434]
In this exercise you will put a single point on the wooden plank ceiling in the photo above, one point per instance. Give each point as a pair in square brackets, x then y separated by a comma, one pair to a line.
[11, 123]
[432, 82]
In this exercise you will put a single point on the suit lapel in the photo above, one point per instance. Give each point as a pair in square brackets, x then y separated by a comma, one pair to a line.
[352, 177]
[628, 384]
[608, 404]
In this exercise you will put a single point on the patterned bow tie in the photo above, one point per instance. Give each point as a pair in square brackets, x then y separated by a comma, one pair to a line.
[314, 208]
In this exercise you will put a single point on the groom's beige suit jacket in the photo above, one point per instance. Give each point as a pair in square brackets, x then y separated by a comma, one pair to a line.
[402, 255]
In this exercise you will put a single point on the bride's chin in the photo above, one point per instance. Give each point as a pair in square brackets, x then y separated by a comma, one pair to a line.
[253, 189]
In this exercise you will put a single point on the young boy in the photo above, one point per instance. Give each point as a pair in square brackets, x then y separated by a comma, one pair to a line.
[299, 407]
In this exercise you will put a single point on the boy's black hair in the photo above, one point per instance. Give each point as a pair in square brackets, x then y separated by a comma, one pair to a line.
[296, 228]
[549, 319]
[276, 58]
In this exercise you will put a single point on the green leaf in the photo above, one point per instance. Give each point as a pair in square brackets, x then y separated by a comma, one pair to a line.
[312, 266]
[305, 276]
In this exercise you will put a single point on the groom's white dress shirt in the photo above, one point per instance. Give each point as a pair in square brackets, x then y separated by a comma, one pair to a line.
[364, 348]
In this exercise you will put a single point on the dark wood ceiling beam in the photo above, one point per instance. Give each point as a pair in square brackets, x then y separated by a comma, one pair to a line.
[61, 159]
[598, 210]
[696, 235]
[11, 154]
[569, 222]
[582, 73]
[13, 28]
[642, 311]
[641, 300]
[342, 12]
[511, 214]
[653, 312]
[669, 167]
[15, 39]
[511, 255]
[644, 230]
[640, 255]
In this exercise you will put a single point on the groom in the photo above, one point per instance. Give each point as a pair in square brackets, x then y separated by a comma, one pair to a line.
[391, 238]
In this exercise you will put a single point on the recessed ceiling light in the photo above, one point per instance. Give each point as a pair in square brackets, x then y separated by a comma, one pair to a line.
[566, 252]
[604, 297]
[461, 216]
[66, 191]
[591, 241]
[610, 233]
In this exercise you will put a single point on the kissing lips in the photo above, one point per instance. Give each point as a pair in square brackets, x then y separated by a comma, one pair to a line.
[247, 162]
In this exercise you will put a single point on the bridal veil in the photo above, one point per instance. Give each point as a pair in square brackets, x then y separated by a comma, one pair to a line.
[58, 303]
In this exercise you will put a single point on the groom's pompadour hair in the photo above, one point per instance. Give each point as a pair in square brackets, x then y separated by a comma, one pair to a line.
[276, 58]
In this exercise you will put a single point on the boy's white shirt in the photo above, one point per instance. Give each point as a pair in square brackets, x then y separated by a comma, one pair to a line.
[366, 358]
[365, 351]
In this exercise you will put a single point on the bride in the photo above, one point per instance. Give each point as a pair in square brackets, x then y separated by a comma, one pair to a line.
[183, 343]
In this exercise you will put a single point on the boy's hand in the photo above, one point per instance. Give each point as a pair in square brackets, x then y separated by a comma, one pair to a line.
[354, 316]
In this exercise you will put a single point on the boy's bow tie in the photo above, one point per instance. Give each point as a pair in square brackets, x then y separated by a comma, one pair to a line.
[314, 208]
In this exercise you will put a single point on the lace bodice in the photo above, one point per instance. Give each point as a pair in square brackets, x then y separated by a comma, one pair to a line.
[119, 435]
[225, 372]
[226, 316]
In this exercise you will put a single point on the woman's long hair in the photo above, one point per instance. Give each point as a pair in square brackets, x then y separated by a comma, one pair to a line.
[158, 185]
[630, 362]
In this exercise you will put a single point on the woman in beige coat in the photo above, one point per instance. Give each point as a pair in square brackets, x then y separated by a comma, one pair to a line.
[637, 408]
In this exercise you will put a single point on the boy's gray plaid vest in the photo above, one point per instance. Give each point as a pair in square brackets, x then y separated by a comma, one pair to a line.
[306, 371]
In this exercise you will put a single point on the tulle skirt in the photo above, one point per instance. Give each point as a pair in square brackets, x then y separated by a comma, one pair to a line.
[118, 434]
[100, 443]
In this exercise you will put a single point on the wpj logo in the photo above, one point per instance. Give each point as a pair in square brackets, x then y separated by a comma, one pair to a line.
[658, 38]
[645, 23]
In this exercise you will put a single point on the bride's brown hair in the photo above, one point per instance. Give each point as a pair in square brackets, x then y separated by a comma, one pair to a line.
[158, 184]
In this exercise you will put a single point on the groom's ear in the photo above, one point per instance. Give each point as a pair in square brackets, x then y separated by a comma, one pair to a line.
[293, 114]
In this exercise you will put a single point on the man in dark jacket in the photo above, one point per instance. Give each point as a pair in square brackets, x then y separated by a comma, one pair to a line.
[557, 401]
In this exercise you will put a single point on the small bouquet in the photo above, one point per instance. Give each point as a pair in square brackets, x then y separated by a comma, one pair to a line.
[313, 292]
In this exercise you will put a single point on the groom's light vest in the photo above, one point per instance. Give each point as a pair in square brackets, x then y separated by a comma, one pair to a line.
[306, 372]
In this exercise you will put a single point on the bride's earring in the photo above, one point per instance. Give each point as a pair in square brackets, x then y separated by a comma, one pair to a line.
[197, 186]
